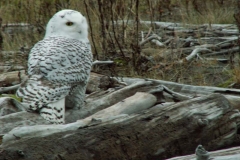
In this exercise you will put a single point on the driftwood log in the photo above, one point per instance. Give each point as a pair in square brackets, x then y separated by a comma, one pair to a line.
[133, 119]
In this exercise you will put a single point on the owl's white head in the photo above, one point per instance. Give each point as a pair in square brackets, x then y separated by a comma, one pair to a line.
[68, 23]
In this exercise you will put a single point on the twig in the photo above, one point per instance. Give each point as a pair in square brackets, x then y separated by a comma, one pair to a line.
[90, 27]
[150, 30]
[114, 32]
[217, 59]
[103, 32]
[176, 96]
[102, 62]
[227, 41]
[142, 35]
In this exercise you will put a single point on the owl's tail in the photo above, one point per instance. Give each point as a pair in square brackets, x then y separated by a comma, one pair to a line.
[45, 97]
[54, 112]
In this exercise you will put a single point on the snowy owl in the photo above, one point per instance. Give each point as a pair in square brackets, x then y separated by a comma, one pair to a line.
[58, 67]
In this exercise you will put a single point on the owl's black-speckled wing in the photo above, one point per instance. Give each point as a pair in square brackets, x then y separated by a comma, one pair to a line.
[61, 60]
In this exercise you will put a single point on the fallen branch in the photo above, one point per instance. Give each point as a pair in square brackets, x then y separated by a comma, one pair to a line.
[233, 95]
[154, 38]
[195, 52]
[225, 51]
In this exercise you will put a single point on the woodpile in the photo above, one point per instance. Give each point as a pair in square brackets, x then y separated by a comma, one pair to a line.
[133, 119]
[204, 42]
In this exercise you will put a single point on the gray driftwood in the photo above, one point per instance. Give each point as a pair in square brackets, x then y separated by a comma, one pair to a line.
[147, 119]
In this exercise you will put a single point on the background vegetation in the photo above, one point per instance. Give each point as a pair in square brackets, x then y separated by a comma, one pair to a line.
[111, 40]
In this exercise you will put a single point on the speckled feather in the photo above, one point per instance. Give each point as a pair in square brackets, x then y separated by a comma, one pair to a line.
[61, 60]
[58, 67]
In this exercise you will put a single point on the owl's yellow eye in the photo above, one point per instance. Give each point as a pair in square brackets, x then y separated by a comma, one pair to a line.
[69, 23]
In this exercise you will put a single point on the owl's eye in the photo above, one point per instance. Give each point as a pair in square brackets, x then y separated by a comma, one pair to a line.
[69, 23]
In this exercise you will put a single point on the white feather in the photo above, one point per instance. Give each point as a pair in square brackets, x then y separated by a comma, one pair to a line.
[55, 112]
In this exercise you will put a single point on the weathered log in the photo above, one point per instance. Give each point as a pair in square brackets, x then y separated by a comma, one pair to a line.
[157, 133]
[100, 100]
[9, 105]
[232, 95]
[11, 78]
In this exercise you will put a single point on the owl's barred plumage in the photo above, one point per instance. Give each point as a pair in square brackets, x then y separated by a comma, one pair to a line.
[58, 67]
